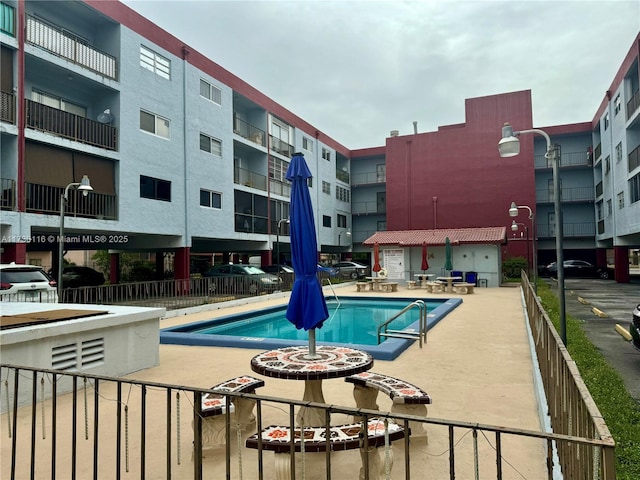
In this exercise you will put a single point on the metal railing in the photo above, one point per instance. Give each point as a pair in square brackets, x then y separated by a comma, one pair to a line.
[71, 126]
[571, 407]
[64, 44]
[281, 147]
[634, 159]
[8, 107]
[633, 104]
[276, 187]
[366, 208]
[242, 176]
[568, 159]
[368, 178]
[250, 132]
[7, 194]
[573, 194]
[342, 176]
[582, 229]
[46, 199]
[421, 334]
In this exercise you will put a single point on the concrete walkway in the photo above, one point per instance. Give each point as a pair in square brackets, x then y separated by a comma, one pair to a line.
[476, 365]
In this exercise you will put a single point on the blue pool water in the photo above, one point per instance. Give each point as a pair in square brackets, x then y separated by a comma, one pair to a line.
[352, 321]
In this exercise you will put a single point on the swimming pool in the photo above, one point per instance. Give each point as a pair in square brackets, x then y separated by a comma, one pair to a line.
[352, 321]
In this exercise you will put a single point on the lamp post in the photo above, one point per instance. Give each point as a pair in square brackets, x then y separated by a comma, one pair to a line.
[509, 146]
[348, 234]
[513, 212]
[280, 222]
[85, 187]
[514, 228]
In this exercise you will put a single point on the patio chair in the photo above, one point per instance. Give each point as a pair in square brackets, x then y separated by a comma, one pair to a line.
[457, 273]
[471, 277]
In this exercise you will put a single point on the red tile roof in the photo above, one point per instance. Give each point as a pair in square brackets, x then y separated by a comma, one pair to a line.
[457, 236]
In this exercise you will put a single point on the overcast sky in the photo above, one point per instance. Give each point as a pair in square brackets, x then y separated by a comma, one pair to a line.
[358, 69]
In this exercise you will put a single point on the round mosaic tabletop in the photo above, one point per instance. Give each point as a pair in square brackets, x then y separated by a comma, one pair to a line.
[291, 363]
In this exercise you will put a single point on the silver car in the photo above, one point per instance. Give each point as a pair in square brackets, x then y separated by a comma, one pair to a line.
[353, 270]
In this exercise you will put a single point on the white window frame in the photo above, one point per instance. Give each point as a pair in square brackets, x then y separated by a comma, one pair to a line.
[307, 144]
[326, 187]
[58, 102]
[620, 200]
[159, 121]
[215, 145]
[326, 154]
[618, 152]
[213, 93]
[154, 62]
[617, 104]
[211, 194]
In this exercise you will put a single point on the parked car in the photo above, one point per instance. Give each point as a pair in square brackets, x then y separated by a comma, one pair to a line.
[278, 269]
[242, 279]
[26, 283]
[352, 270]
[578, 268]
[634, 328]
[74, 276]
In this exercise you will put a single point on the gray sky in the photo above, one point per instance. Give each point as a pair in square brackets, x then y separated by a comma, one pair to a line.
[358, 69]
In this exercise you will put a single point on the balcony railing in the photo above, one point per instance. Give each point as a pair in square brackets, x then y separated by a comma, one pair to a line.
[367, 208]
[7, 107]
[277, 187]
[634, 159]
[368, 178]
[575, 194]
[599, 189]
[46, 199]
[570, 159]
[283, 148]
[342, 176]
[71, 126]
[582, 229]
[242, 176]
[248, 131]
[8, 194]
[65, 44]
[633, 104]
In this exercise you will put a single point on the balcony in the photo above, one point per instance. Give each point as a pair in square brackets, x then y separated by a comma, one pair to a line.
[7, 194]
[367, 208]
[582, 229]
[45, 199]
[66, 45]
[8, 107]
[277, 187]
[575, 194]
[250, 132]
[281, 147]
[343, 176]
[633, 104]
[368, 178]
[570, 159]
[68, 125]
[634, 159]
[242, 176]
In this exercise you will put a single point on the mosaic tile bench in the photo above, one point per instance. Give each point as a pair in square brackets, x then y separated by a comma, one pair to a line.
[277, 438]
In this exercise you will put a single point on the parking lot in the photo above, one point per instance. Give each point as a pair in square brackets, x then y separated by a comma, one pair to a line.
[617, 301]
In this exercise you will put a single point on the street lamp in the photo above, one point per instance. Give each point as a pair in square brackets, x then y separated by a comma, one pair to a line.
[513, 212]
[348, 234]
[509, 146]
[514, 228]
[85, 187]
[280, 222]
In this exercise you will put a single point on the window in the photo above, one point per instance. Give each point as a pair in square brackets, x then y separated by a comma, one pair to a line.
[599, 209]
[341, 221]
[634, 188]
[343, 193]
[326, 154]
[307, 144]
[58, 102]
[617, 104]
[618, 152]
[210, 92]
[210, 145]
[251, 212]
[210, 199]
[155, 188]
[382, 226]
[154, 124]
[609, 208]
[607, 164]
[310, 182]
[326, 187]
[155, 63]
[606, 120]
[278, 169]
[7, 19]
[326, 221]
[620, 200]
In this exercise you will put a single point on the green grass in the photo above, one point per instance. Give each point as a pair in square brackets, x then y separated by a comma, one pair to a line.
[617, 406]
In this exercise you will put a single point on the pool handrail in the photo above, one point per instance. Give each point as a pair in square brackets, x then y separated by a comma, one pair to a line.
[422, 325]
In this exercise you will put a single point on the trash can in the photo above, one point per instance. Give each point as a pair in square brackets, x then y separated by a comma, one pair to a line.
[634, 328]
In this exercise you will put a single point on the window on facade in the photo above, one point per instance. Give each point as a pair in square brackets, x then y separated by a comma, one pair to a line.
[280, 130]
[310, 182]
[606, 120]
[617, 104]
[278, 169]
[251, 212]
[326, 221]
[155, 188]
[210, 199]
[326, 187]
[381, 226]
[210, 92]
[279, 210]
[599, 209]
[634, 188]
[7, 19]
[155, 63]
[326, 153]
[618, 152]
[343, 194]
[155, 124]
[607, 164]
[307, 144]
[60, 103]
[210, 145]
[609, 208]
[620, 200]
[341, 220]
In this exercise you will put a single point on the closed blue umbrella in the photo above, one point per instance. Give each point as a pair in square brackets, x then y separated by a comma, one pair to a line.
[307, 307]
[448, 262]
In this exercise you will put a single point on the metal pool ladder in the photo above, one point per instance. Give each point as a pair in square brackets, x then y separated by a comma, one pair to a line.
[421, 334]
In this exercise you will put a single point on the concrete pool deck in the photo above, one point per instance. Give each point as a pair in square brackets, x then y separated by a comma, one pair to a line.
[476, 366]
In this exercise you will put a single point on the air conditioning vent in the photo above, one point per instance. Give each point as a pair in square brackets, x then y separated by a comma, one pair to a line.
[93, 353]
[64, 357]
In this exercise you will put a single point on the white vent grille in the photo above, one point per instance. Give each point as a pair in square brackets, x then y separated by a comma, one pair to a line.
[64, 357]
[93, 353]
[74, 356]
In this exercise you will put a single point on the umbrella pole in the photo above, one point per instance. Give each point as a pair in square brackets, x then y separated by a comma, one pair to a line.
[312, 345]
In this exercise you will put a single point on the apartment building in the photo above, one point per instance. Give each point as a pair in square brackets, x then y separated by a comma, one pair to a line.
[187, 159]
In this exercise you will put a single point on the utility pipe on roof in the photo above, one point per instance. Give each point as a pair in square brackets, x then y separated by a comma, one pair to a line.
[435, 213]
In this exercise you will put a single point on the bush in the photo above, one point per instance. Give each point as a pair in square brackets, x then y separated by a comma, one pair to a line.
[511, 267]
